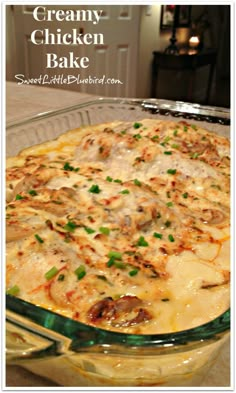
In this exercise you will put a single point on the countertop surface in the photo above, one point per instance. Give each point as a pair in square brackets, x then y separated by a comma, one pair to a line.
[28, 100]
[25, 101]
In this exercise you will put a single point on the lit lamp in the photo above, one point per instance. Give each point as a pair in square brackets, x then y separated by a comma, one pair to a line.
[194, 42]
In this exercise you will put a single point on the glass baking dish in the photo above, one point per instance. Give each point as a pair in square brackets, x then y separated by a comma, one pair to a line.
[74, 354]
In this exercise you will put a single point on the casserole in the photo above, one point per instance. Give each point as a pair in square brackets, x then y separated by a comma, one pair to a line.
[169, 359]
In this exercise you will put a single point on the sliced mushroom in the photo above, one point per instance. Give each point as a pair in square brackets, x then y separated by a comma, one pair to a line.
[142, 316]
[127, 303]
[212, 216]
[100, 309]
[118, 311]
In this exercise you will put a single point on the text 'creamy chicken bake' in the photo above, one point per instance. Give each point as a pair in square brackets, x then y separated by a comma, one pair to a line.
[123, 226]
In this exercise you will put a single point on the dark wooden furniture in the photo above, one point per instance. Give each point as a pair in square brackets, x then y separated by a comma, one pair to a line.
[181, 62]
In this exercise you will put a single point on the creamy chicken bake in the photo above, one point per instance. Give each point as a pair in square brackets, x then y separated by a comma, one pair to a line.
[123, 226]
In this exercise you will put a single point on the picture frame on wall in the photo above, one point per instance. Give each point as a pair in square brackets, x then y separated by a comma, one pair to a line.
[178, 15]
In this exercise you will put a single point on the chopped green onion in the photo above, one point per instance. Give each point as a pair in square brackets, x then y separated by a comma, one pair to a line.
[32, 192]
[68, 167]
[116, 262]
[81, 275]
[119, 264]
[185, 195]
[37, 237]
[168, 224]
[175, 146]
[139, 159]
[51, 273]
[137, 182]
[70, 226]
[175, 132]
[118, 181]
[95, 189]
[216, 186]
[142, 242]
[133, 272]
[169, 204]
[80, 272]
[124, 191]
[18, 197]
[109, 178]
[167, 138]
[104, 230]
[194, 155]
[13, 290]
[185, 128]
[115, 254]
[89, 230]
[111, 262]
[171, 171]
[137, 136]
[194, 127]
[101, 277]
[61, 277]
[137, 125]
[171, 238]
[157, 235]
[168, 153]
[123, 132]
[155, 138]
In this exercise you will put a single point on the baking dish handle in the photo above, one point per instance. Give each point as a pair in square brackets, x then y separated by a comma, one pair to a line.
[23, 344]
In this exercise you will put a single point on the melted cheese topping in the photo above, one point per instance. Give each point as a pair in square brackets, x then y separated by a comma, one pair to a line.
[124, 226]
